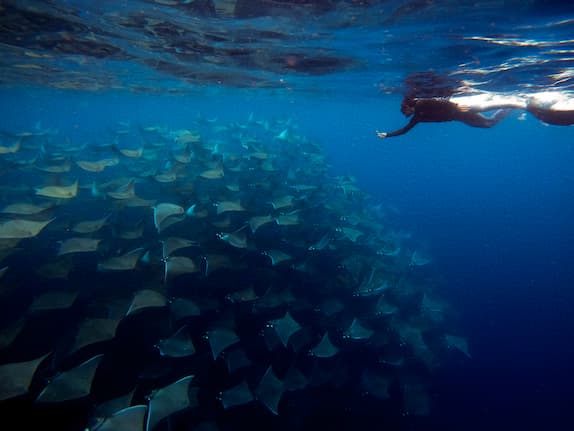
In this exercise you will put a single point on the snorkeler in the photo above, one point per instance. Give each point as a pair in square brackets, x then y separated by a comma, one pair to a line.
[432, 98]
[441, 109]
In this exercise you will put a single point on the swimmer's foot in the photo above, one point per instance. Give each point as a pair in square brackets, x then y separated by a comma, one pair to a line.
[381, 135]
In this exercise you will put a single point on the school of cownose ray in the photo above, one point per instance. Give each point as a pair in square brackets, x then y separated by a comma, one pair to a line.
[235, 245]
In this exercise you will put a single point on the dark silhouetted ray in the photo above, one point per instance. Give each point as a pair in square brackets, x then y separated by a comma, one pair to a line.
[93, 331]
[376, 384]
[324, 349]
[182, 308]
[358, 332]
[71, 384]
[55, 300]
[168, 400]
[128, 419]
[269, 391]
[236, 396]
[458, 343]
[178, 265]
[9, 333]
[177, 345]
[125, 262]
[277, 256]
[15, 378]
[285, 327]
[294, 380]
[172, 244]
[110, 407]
[146, 298]
[236, 359]
[220, 339]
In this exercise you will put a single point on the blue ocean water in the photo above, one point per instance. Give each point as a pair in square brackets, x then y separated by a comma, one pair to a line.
[493, 207]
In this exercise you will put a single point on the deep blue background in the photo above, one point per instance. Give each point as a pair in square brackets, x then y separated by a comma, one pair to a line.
[494, 207]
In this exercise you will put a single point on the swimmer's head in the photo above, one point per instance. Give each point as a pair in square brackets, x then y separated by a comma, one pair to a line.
[408, 106]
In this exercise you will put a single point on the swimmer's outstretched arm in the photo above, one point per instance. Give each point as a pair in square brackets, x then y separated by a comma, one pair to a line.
[399, 132]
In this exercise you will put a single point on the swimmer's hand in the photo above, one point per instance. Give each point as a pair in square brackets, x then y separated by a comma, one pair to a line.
[381, 135]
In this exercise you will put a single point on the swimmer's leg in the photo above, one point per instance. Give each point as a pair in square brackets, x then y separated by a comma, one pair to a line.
[475, 119]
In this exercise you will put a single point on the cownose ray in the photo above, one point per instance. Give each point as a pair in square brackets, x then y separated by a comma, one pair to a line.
[124, 262]
[137, 202]
[214, 262]
[95, 330]
[163, 211]
[237, 238]
[90, 226]
[177, 345]
[294, 380]
[20, 228]
[145, 299]
[384, 307]
[351, 234]
[419, 259]
[220, 339]
[268, 166]
[182, 308]
[56, 168]
[321, 244]
[58, 192]
[325, 348]
[236, 396]
[53, 300]
[10, 331]
[25, 208]
[183, 156]
[171, 244]
[132, 153]
[223, 222]
[12, 148]
[376, 384]
[3, 271]
[109, 407]
[289, 219]
[277, 256]
[412, 336]
[256, 222]
[132, 232]
[458, 343]
[236, 359]
[233, 187]
[78, 245]
[72, 384]
[282, 202]
[15, 378]
[285, 327]
[96, 166]
[175, 266]
[244, 295]
[229, 206]
[166, 177]
[171, 399]
[7, 245]
[58, 269]
[212, 174]
[128, 419]
[125, 191]
[331, 306]
[357, 331]
[270, 390]
[274, 297]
